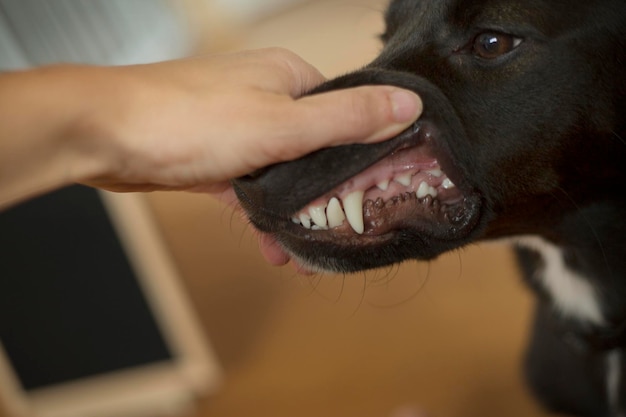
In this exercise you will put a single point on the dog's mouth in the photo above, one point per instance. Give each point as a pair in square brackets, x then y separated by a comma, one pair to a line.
[408, 188]
[357, 207]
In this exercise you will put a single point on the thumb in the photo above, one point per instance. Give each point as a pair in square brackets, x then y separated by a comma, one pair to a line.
[358, 115]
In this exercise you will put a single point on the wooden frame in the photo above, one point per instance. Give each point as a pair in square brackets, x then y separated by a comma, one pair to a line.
[145, 390]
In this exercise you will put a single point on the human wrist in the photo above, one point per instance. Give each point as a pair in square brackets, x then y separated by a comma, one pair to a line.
[68, 99]
[39, 150]
[92, 134]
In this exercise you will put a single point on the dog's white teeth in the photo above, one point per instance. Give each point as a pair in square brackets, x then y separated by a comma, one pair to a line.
[318, 215]
[404, 179]
[353, 206]
[447, 184]
[334, 213]
[422, 190]
[383, 185]
[305, 220]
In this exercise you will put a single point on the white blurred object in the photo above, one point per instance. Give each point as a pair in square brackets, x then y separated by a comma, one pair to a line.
[106, 32]
[248, 10]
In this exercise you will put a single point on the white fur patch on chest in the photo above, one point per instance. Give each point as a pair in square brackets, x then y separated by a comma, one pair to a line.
[572, 294]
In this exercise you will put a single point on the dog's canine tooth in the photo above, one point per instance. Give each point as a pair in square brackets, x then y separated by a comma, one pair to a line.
[447, 184]
[305, 219]
[334, 213]
[383, 185]
[318, 215]
[353, 206]
[422, 191]
[404, 179]
[435, 172]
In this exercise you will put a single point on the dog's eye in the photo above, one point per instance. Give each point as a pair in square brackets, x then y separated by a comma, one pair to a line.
[490, 45]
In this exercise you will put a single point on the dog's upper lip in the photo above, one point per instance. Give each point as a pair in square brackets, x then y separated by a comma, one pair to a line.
[308, 187]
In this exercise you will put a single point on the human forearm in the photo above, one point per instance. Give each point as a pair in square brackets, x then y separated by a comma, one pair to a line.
[39, 145]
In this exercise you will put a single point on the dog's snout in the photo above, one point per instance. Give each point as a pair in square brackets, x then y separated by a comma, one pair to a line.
[372, 76]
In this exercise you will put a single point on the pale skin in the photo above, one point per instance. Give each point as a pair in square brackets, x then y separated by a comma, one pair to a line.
[189, 124]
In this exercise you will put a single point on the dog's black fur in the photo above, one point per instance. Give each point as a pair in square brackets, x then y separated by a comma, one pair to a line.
[525, 109]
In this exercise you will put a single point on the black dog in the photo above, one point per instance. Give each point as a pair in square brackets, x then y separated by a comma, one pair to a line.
[523, 135]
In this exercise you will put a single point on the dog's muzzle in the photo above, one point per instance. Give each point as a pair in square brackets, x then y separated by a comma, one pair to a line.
[413, 187]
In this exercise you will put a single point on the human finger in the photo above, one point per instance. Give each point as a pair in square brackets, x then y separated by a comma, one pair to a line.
[365, 114]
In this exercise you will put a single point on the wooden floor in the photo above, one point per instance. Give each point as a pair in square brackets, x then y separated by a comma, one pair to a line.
[447, 336]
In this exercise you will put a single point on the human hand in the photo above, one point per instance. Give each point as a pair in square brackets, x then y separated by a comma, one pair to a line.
[194, 124]
[188, 124]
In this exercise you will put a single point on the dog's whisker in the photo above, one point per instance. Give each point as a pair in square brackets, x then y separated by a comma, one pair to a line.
[459, 256]
[314, 282]
[363, 275]
[418, 290]
[388, 275]
[619, 137]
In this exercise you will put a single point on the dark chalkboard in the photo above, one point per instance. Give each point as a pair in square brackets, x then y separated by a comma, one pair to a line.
[71, 305]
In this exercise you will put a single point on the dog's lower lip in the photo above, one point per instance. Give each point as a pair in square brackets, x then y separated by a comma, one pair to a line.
[385, 217]
[446, 226]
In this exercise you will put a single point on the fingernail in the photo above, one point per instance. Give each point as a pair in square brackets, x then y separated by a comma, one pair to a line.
[406, 106]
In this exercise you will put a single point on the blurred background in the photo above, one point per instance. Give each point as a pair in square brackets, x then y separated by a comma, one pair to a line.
[446, 336]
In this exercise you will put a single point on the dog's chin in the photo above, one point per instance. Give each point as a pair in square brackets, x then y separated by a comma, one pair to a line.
[413, 203]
